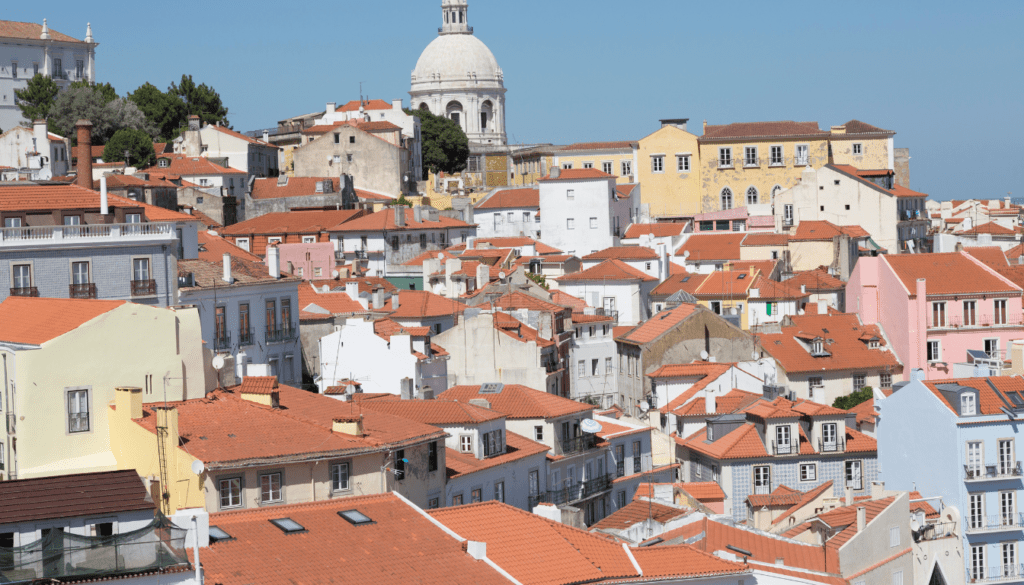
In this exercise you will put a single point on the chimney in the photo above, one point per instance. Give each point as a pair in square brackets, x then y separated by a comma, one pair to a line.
[1017, 357]
[396, 105]
[480, 402]
[483, 275]
[274, 260]
[227, 269]
[350, 425]
[849, 496]
[331, 107]
[417, 214]
[104, 207]
[839, 129]
[41, 135]
[378, 299]
[822, 307]
[545, 325]
[862, 518]
[84, 129]
[394, 301]
[399, 216]
[128, 401]
[803, 289]
[451, 266]
[555, 172]
[352, 289]
[877, 490]
[266, 136]
[405, 384]
[663, 260]
[705, 129]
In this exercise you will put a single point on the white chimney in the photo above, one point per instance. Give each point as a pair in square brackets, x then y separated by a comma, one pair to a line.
[227, 268]
[396, 105]
[274, 260]
[663, 258]
[352, 290]
[394, 301]
[331, 106]
[104, 209]
[266, 136]
[862, 518]
[477, 550]
[822, 307]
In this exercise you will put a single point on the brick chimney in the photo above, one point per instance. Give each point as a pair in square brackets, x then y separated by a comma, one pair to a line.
[84, 129]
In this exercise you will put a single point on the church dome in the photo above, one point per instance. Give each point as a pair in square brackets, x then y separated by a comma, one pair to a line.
[454, 58]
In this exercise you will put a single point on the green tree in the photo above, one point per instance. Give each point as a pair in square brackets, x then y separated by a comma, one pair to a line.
[164, 109]
[850, 400]
[91, 103]
[403, 201]
[539, 279]
[445, 146]
[37, 98]
[200, 100]
[107, 90]
[138, 144]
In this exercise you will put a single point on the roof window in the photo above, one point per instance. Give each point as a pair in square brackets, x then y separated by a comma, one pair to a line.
[288, 526]
[1016, 399]
[217, 535]
[491, 388]
[355, 517]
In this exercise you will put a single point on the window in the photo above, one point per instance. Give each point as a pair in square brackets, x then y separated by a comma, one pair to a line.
[976, 510]
[270, 488]
[1006, 462]
[975, 458]
[885, 380]
[400, 465]
[538, 433]
[782, 439]
[967, 407]
[231, 492]
[854, 479]
[79, 69]
[787, 214]
[801, 154]
[35, 68]
[858, 149]
[352, 139]
[938, 314]
[286, 313]
[582, 369]
[992, 347]
[570, 224]
[533, 480]
[588, 165]
[621, 499]
[750, 156]
[593, 363]
[433, 504]
[724, 157]
[14, 69]
[220, 324]
[466, 443]
[140, 269]
[476, 496]
[775, 154]
[808, 472]
[58, 70]
[340, 477]
[432, 456]
[683, 163]
[10, 222]
[859, 381]
[752, 195]
[897, 578]
[593, 223]
[78, 410]
[829, 436]
[658, 163]
[627, 168]
[970, 313]
[242, 243]
[570, 194]
[1007, 508]
[815, 382]
[620, 460]
[726, 198]
[894, 536]
[762, 479]
[934, 351]
[1010, 568]
[978, 561]
[636, 457]
[72, 220]
[1000, 312]
[457, 500]
[499, 491]
[271, 315]
[607, 366]
[606, 167]
[22, 276]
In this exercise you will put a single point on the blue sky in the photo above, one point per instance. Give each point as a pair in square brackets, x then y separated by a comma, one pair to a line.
[947, 77]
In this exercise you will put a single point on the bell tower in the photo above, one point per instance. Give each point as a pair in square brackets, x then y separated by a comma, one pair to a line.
[455, 17]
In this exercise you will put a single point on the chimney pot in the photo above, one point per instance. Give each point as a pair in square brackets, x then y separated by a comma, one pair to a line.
[129, 400]
[862, 518]
[274, 260]
[227, 268]
[394, 301]
[84, 132]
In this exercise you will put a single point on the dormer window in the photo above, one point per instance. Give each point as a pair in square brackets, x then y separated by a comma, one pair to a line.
[873, 344]
[817, 346]
[164, 163]
[967, 404]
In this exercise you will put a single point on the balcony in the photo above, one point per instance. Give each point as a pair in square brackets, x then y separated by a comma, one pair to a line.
[245, 337]
[958, 322]
[143, 288]
[786, 448]
[991, 471]
[281, 334]
[59, 235]
[936, 531]
[998, 523]
[339, 255]
[576, 444]
[787, 222]
[24, 291]
[82, 291]
[996, 574]
[580, 491]
[836, 446]
[221, 341]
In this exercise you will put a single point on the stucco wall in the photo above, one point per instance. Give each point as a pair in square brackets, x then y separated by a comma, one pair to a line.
[671, 192]
[376, 164]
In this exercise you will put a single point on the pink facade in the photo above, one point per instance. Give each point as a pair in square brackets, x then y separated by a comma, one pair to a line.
[310, 261]
[911, 318]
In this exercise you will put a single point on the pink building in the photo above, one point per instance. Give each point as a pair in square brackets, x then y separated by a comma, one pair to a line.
[308, 261]
[936, 307]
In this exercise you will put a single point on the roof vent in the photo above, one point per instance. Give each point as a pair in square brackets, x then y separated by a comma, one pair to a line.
[282, 180]
[217, 535]
[355, 517]
[481, 403]
[288, 526]
[491, 388]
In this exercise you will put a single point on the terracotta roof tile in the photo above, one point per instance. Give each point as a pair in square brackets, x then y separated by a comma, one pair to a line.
[858, 127]
[639, 511]
[385, 220]
[519, 402]
[565, 299]
[68, 496]
[973, 277]
[725, 284]
[762, 239]
[782, 129]
[705, 372]
[683, 281]
[612, 269]
[510, 242]
[625, 190]
[816, 280]
[232, 133]
[436, 412]
[804, 499]
[613, 145]
[118, 181]
[990, 228]
[623, 253]
[578, 175]
[516, 447]
[780, 496]
[334, 302]
[773, 290]
[258, 385]
[657, 325]
[682, 562]
[207, 274]
[521, 300]
[509, 198]
[712, 247]
[186, 166]
[11, 29]
[292, 222]
[847, 350]
[846, 518]
[704, 491]
[35, 320]
[658, 230]
[213, 247]
[924, 506]
[992, 392]
[519, 331]
[813, 231]
[418, 304]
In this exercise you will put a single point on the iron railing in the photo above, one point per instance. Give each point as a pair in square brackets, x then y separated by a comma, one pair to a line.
[580, 491]
[82, 291]
[786, 448]
[222, 340]
[1010, 572]
[1001, 470]
[279, 334]
[936, 531]
[576, 444]
[141, 288]
[245, 337]
[834, 446]
[24, 291]
[997, 523]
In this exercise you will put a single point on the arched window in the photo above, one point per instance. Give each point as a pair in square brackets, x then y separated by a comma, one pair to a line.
[726, 198]
[454, 112]
[486, 115]
[424, 107]
[775, 192]
[752, 195]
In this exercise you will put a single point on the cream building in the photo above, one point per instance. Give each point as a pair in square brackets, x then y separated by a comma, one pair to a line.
[611, 158]
[668, 167]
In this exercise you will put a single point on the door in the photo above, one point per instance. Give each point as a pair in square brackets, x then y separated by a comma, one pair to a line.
[853, 475]
[1006, 462]
[828, 436]
[976, 511]
[609, 305]
[762, 480]
[975, 458]
[782, 439]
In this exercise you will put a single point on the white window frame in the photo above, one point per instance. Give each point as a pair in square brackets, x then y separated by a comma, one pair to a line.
[242, 243]
[308, 239]
[657, 163]
[607, 167]
[593, 223]
[570, 194]
[894, 536]
[748, 161]
[808, 472]
[231, 497]
[570, 223]
[725, 157]
[269, 487]
[774, 161]
[885, 380]
[73, 409]
[762, 474]
[683, 162]
[968, 404]
[627, 167]
[465, 443]
[806, 160]
[336, 484]
[934, 348]
[857, 148]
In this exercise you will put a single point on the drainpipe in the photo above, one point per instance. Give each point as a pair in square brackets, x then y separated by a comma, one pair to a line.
[195, 549]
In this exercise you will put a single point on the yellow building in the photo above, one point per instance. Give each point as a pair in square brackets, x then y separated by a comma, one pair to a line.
[862, 146]
[63, 358]
[667, 167]
[530, 164]
[747, 164]
[612, 158]
[725, 291]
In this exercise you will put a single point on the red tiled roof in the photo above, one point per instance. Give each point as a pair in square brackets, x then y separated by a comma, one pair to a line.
[304, 187]
[730, 402]
[706, 373]
[511, 242]
[683, 281]
[780, 496]
[782, 129]
[992, 256]
[773, 290]
[258, 385]
[385, 220]
[212, 249]
[625, 190]
[612, 269]
[190, 166]
[232, 133]
[36, 320]
[417, 304]
[458, 464]
[704, 247]
[805, 498]
[519, 402]
[658, 230]
[847, 348]
[613, 145]
[924, 506]
[385, 328]
[990, 228]
[321, 128]
[639, 511]
[292, 222]
[704, 491]
[565, 299]
[436, 412]
[656, 326]
[521, 300]
[814, 231]
[816, 280]
[354, 105]
[578, 175]
[335, 303]
[623, 253]
[401, 545]
[508, 198]
[992, 392]
[972, 276]
[11, 29]
[858, 127]
[765, 239]
[117, 181]
[725, 284]
[67, 496]
[846, 517]
[519, 331]
[208, 274]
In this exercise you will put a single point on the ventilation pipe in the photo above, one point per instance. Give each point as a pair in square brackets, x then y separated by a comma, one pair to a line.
[663, 258]
[274, 260]
[227, 268]
[104, 208]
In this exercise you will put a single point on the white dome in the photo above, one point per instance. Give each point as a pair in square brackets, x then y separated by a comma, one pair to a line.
[456, 57]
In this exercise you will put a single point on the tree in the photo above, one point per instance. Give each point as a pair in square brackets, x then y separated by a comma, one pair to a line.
[200, 100]
[445, 146]
[37, 98]
[138, 144]
[164, 109]
[850, 400]
[90, 103]
[403, 201]
[107, 90]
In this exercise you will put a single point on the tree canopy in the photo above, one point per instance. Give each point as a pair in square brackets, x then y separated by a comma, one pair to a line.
[445, 146]
[106, 90]
[164, 109]
[139, 145]
[200, 100]
[850, 400]
[91, 103]
[37, 98]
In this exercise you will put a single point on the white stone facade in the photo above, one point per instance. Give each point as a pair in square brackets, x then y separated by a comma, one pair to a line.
[584, 215]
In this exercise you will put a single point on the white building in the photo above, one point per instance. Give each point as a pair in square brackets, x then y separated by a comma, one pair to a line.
[381, 111]
[582, 211]
[379, 355]
[458, 77]
[619, 289]
[509, 213]
[257, 158]
[592, 360]
[27, 48]
[33, 152]
[652, 261]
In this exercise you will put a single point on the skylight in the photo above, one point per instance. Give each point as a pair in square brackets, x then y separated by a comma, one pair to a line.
[288, 526]
[1015, 399]
[355, 517]
[217, 535]
[491, 388]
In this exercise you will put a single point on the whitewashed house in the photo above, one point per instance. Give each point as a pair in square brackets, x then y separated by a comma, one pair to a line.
[33, 153]
[619, 289]
[509, 213]
[583, 211]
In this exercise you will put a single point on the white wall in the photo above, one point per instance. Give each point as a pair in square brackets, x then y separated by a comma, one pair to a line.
[591, 198]
[630, 298]
[586, 347]
[496, 223]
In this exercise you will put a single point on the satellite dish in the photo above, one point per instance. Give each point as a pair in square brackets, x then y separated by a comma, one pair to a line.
[440, 255]
[704, 355]
[45, 174]
[218, 362]
[335, 274]
[589, 425]
[915, 525]
[644, 407]
[325, 289]
[501, 275]
[197, 467]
